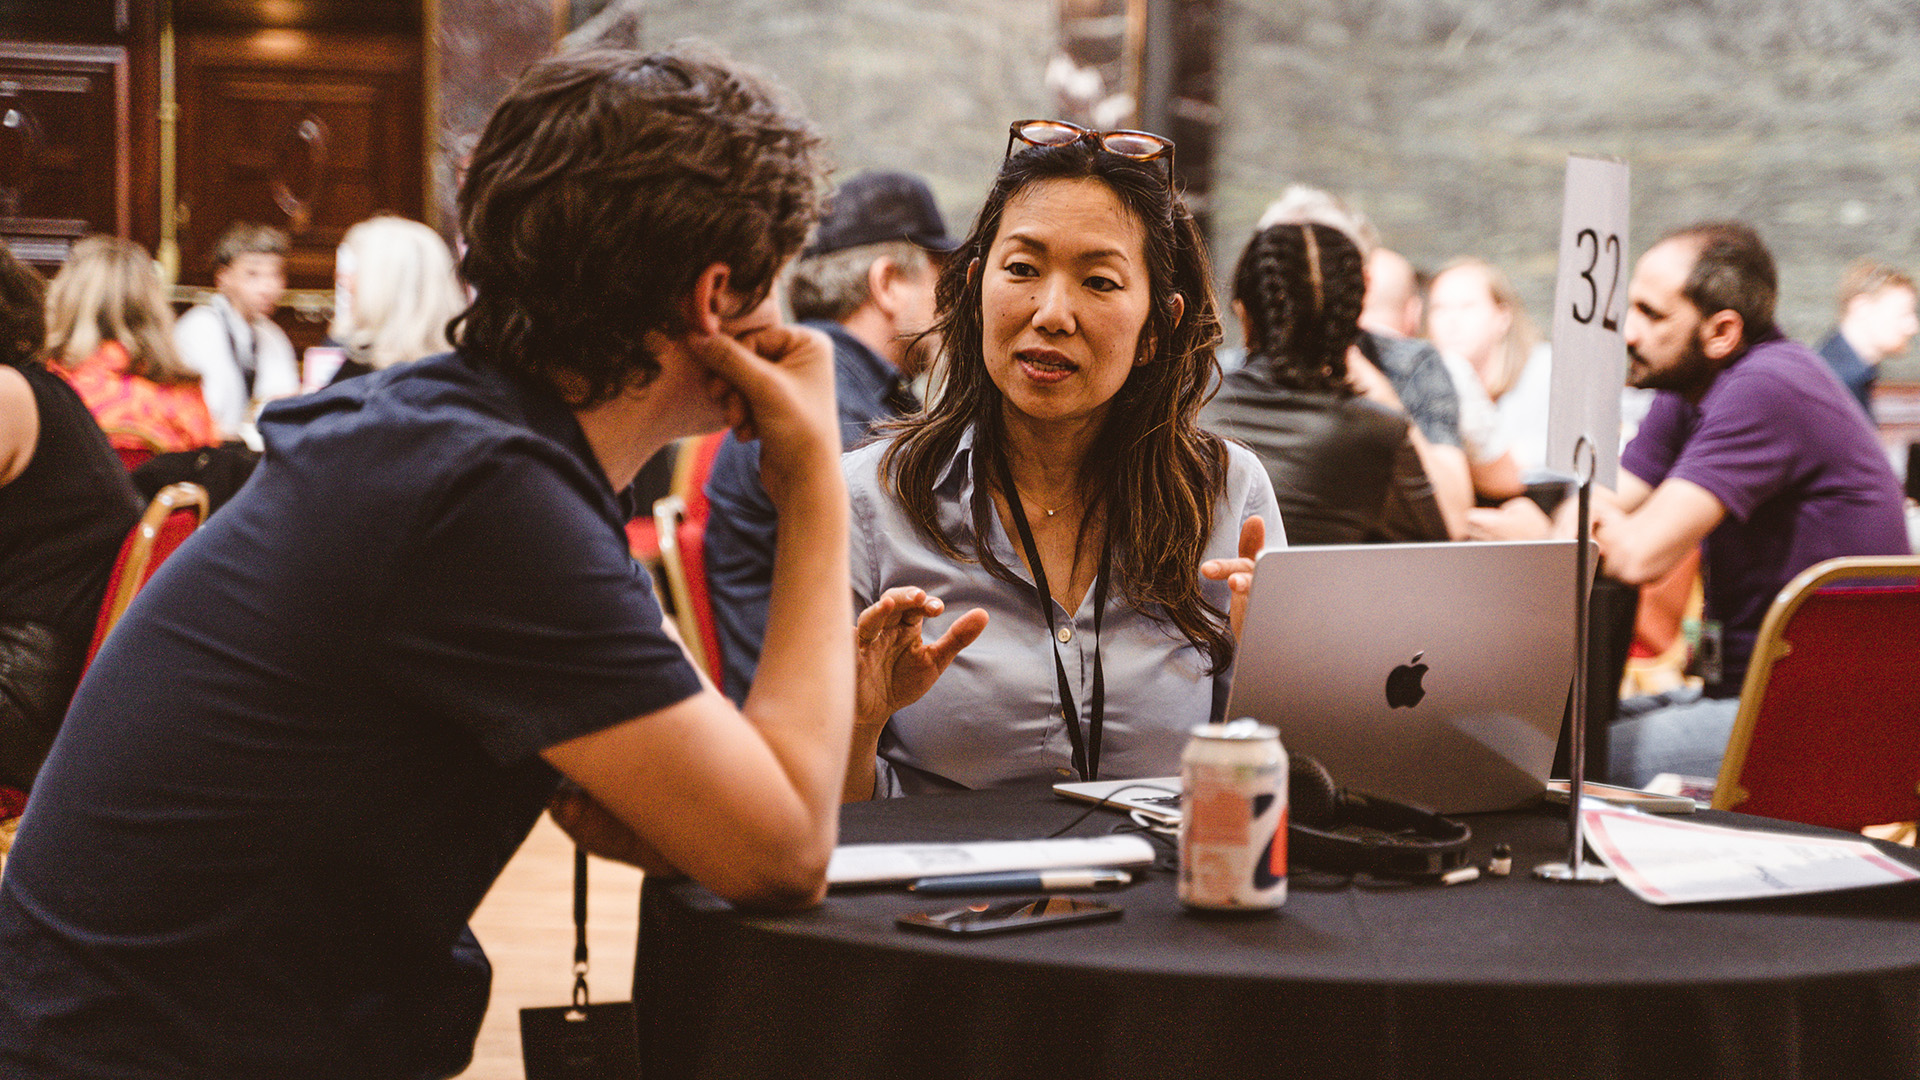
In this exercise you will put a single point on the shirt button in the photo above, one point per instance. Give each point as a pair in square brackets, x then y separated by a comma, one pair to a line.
[1064, 771]
[1066, 634]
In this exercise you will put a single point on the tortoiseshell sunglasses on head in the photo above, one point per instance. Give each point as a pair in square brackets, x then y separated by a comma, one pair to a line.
[1133, 145]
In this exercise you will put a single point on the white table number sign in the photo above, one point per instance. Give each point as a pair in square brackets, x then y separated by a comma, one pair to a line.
[1589, 317]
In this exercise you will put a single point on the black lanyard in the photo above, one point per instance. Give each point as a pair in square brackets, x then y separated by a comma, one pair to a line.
[1086, 750]
[253, 351]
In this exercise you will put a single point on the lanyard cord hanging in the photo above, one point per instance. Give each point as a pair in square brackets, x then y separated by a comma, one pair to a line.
[252, 363]
[1086, 750]
[579, 927]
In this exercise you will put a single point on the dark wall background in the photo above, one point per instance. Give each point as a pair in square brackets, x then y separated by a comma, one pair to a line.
[1449, 122]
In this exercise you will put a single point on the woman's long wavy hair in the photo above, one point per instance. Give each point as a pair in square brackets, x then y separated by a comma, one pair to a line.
[1152, 469]
[1302, 288]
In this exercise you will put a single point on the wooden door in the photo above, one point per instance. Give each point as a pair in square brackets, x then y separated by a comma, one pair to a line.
[306, 130]
[64, 158]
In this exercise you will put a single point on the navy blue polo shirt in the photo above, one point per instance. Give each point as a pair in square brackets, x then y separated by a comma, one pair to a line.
[743, 526]
[312, 743]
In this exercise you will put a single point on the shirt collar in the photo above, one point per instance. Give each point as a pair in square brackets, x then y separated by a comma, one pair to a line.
[858, 366]
[1696, 404]
[546, 413]
[959, 467]
[231, 314]
[112, 356]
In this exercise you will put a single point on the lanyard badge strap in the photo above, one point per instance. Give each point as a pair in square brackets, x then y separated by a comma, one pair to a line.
[1086, 749]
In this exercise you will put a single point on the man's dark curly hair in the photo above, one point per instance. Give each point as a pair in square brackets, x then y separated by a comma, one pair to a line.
[23, 320]
[604, 184]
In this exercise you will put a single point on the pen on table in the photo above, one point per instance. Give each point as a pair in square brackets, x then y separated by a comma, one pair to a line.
[1023, 881]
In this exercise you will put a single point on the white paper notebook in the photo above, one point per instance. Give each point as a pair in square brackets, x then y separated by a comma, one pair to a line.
[1666, 861]
[876, 864]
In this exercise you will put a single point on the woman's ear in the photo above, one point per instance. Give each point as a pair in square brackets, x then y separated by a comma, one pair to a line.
[973, 271]
[1148, 343]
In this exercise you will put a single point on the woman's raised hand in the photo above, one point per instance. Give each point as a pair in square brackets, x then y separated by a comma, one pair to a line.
[893, 665]
[1238, 573]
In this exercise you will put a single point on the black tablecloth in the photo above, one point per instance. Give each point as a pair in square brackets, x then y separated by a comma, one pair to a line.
[1500, 977]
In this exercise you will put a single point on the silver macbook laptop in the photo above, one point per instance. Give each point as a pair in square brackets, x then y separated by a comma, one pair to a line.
[1435, 674]
[1156, 798]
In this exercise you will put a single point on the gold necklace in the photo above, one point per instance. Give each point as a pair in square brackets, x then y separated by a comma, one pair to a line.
[1036, 502]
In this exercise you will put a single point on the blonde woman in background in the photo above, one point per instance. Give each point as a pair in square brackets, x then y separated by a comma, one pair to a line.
[110, 335]
[1474, 314]
[394, 293]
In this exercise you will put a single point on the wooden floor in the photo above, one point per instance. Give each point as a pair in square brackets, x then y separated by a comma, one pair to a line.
[526, 926]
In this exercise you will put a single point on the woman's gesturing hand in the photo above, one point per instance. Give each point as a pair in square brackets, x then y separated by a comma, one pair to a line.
[894, 666]
[1238, 573]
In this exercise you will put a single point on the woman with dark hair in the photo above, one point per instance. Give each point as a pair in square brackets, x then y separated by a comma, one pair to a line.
[1344, 468]
[1060, 486]
[66, 505]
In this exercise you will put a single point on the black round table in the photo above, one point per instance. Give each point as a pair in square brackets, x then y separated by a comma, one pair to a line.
[1499, 977]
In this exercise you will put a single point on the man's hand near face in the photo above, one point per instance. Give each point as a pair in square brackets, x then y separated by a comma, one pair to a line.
[778, 388]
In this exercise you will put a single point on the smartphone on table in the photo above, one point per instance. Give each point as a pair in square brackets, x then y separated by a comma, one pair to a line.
[1002, 916]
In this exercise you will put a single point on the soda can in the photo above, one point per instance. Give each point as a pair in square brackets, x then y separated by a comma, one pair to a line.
[1233, 820]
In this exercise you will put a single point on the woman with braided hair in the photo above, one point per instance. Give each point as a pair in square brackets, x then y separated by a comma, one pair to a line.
[1343, 468]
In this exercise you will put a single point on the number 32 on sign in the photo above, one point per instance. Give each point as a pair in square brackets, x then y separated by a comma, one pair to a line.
[1589, 309]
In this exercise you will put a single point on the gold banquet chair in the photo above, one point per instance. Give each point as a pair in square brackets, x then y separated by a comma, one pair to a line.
[680, 521]
[173, 515]
[1825, 734]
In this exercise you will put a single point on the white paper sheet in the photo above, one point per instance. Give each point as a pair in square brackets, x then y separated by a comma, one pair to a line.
[873, 864]
[1668, 861]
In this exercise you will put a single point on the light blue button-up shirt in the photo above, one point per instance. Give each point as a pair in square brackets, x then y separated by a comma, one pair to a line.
[994, 718]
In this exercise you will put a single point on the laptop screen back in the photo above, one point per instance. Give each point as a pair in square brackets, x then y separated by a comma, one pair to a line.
[1435, 674]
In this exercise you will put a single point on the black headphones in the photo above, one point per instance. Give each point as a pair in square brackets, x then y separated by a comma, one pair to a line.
[1331, 828]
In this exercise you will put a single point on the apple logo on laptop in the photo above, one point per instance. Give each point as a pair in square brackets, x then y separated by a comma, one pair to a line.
[1403, 683]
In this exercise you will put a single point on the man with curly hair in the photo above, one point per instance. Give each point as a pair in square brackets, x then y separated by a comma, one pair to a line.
[303, 757]
[866, 281]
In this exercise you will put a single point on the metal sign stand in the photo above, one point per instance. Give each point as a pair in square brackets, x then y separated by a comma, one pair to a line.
[1576, 868]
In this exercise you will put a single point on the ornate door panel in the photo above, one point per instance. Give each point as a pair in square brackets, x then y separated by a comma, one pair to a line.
[63, 18]
[309, 131]
[63, 147]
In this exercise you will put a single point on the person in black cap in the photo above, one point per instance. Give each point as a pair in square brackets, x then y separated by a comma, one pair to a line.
[867, 280]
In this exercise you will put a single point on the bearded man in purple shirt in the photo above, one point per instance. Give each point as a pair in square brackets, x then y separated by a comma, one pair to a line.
[1753, 449]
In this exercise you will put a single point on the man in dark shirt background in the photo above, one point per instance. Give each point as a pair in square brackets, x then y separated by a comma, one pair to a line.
[315, 738]
[1877, 321]
[866, 281]
[1751, 452]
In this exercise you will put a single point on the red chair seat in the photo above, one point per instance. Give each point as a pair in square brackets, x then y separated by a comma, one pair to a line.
[171, 517]
[643, 540]
[1824, 734]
